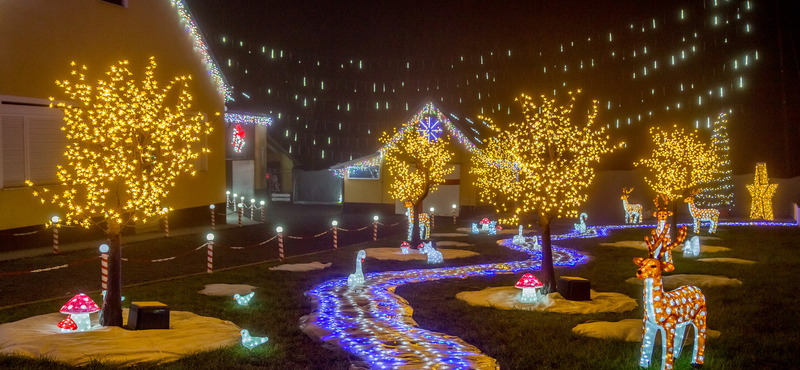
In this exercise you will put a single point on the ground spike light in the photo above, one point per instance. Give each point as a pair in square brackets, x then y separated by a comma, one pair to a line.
[375, 228]
[335, 237]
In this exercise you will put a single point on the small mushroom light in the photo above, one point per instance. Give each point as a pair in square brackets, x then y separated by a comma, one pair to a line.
[67, 325]
[530, 286]
[405, 247]
[79, 308]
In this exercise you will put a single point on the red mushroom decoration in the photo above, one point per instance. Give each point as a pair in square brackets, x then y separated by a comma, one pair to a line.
[421, 246]
[405, 247]
[485, 221]
[485, 224]
[67, 325]
[79, 308]
[530, 286]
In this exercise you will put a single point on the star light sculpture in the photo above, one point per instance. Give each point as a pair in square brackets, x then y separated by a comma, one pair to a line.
[761, 191]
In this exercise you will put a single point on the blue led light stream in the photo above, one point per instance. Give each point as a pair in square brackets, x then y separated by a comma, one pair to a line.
[375, 324]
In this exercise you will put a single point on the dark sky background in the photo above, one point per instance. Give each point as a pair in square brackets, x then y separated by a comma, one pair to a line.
[421, 29]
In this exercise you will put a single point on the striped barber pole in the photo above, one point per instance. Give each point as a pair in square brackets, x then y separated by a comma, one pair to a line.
[240, 214]
[104, 270]
[166, 225]
[213, 217]
[335, 238]
[55, 239]
[210, 264]
[280, 246]
[375, 231]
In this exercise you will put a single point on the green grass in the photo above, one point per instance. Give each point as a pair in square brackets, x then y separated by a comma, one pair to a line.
[758, 320]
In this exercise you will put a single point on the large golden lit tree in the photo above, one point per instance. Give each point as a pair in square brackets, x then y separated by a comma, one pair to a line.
[679, 161]
[539, 169]
[418, 164]
[128, 142]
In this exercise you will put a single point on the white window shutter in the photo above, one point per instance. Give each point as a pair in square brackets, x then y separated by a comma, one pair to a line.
[46, 144]
[13, 151]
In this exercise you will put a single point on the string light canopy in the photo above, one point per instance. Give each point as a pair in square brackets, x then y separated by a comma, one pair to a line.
[541, 166]
[678, 162]
[761, 191]
[128, 143]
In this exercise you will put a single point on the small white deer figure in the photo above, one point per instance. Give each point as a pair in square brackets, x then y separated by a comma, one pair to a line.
[434, 256]
[633, 212]
[357, 278]
[707, 214]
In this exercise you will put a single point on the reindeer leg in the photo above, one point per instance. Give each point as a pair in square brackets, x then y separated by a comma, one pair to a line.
[668, 343]
[678, 345]
[698, 357]
[648, 341]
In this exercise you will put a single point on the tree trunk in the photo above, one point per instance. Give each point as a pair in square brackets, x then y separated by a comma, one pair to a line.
[548, 276]
[415, 239]
[673, 231]
[111, 313]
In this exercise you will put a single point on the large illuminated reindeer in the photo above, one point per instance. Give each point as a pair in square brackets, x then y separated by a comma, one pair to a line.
[424, 222]
[707, 214]
[633, 212]
[670, 312]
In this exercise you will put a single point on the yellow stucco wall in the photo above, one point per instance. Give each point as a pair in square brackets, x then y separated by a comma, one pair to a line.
[41, 37]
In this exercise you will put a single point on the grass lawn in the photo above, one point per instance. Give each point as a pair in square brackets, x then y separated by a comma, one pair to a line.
[757, 320]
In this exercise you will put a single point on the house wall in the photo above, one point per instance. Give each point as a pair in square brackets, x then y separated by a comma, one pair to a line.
[41, 38]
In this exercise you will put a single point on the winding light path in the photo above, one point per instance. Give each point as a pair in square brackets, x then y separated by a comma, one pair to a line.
[375, 324]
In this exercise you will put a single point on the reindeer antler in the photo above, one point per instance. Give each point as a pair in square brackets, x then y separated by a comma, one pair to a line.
[660, 247]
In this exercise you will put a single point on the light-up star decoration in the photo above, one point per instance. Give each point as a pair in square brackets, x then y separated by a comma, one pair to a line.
[238, 138]
[430, 127]
[761, 191]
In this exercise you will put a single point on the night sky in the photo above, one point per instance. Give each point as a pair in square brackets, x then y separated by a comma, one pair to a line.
[425, 29]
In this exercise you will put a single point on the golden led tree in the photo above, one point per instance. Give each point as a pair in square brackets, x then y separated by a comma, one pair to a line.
[678, 162]
[418, 164]
[539, 168]
[128, 143]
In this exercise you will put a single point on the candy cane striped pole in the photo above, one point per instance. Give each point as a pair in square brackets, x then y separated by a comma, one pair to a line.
[280, 242]
[431, 218]
[335, 239]
[233, 202]
[252, 209]
[375, 228]
[104, 265]
[241, 205]
[166, 222]
[210, 245]
[55, 220]
[213, 217]
[263, 213]
[454, 214]
[227, 199]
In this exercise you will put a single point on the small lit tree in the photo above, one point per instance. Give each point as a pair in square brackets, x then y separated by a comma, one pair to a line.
[128, 143]
[418, 164]
[539, 168]
[679, 161]
[719, 190]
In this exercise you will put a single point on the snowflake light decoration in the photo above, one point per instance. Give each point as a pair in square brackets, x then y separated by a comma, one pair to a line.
[430, 128]
[238, 138]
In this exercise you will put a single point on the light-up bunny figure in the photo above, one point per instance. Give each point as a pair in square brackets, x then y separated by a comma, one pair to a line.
[357, 278]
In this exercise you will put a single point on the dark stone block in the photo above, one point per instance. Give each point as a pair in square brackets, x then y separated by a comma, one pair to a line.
[574, 288]
[148, 315]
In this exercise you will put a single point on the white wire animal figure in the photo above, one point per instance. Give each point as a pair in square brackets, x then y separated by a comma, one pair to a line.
[707, 214]
[633, 212]
[581, 227]
[357, 278]
[434, 256]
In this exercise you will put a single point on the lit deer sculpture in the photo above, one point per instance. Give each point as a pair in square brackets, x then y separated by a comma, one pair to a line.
[661, 213]
[707, 214]
[424, 222]
[671, 312]
[633, 212]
